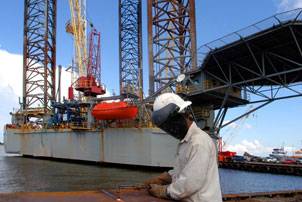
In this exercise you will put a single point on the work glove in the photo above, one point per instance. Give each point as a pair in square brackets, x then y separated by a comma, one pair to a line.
[162, 179]
[159, 191]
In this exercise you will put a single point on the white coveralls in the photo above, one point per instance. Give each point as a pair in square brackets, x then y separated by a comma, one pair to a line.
[195, 175]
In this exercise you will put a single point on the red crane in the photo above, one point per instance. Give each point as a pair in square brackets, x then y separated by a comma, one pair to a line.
[91, 84]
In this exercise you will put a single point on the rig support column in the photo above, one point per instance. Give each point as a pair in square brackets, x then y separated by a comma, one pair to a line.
[39, 56]
[130, 47]
[171, 40]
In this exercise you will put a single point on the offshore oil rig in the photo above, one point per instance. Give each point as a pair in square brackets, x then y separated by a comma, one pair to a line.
[256, 65]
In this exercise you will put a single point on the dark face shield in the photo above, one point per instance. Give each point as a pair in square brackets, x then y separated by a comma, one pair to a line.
[169, 120]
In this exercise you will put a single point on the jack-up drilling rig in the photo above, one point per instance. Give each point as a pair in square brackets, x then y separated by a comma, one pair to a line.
[265, 63]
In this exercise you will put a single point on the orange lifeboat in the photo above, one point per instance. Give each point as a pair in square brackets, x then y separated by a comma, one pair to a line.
[114, 111]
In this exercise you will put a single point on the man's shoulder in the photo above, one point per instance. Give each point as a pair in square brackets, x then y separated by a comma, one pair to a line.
[199, 137]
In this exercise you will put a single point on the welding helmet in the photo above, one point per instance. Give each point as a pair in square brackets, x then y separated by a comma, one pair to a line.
[167, 98]
[169, 114]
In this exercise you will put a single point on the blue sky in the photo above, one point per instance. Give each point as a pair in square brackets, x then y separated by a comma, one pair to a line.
[267, 128]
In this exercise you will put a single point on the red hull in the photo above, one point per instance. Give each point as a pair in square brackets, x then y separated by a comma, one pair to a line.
[114, 111]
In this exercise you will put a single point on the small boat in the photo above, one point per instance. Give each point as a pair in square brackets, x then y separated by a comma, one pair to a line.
[297, 154]
[278, 153]
[114, 111]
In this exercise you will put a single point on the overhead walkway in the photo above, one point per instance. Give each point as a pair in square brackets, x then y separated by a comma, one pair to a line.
[255, 65]
[270, 56]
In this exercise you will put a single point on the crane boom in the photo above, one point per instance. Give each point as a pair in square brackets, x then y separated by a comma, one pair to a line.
[87, 62]
[94, 63]
[77, 27]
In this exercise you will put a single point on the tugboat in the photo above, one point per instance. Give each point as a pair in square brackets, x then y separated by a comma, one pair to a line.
[278, 153]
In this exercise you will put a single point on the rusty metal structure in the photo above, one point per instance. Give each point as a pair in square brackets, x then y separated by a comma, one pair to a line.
[39, 57]
[171, 40]
[130, 47]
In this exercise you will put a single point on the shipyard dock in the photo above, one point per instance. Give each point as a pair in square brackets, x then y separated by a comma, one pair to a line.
[274, 168]
[138, 195]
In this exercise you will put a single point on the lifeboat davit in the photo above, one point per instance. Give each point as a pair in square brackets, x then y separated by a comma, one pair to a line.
[114, 111]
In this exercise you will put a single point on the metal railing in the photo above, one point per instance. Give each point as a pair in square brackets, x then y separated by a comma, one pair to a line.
[275, 20]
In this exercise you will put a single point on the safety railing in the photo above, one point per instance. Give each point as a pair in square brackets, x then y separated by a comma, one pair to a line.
[275, 20]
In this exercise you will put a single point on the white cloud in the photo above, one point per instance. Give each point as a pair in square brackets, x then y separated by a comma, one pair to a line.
[10, 85]
[252, 147]
[285, 5]
[9, 102]
[65, 82]
[239, 125]
[11, 71]
[255, 148]
[233, 125]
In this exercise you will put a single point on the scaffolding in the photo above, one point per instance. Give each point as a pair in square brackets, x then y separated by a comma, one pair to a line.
[39, 57]
[171, 40]
[130, 47]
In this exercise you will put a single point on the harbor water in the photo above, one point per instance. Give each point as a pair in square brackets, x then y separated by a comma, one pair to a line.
[18, 174]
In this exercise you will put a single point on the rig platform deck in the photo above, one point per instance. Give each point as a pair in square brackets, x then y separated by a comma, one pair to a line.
[130, 146]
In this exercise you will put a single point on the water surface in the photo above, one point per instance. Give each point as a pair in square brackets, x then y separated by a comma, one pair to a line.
[26, 174]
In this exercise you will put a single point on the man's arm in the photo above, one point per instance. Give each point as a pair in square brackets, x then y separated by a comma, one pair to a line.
[193, 176]
[171, 173]
[162, 179]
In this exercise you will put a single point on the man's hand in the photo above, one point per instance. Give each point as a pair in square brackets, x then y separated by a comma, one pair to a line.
[159, 191]
[162, 179]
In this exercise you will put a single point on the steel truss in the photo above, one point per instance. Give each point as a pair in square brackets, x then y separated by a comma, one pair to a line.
[171, 40]
[280, 88]
[39, 56]
[94, 55]
[130, 42]
[269, 75]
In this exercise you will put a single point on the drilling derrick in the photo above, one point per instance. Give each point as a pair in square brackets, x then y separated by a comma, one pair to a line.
[39, 57]
[171, 40]
[130, 50]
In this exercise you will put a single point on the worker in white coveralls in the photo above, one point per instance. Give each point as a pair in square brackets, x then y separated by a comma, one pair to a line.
[195, 176]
